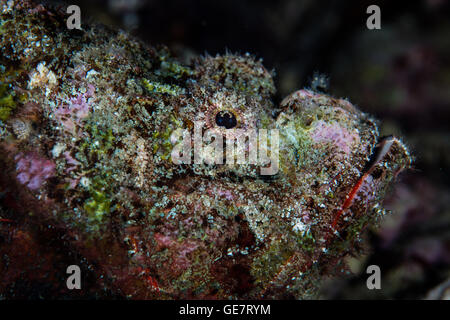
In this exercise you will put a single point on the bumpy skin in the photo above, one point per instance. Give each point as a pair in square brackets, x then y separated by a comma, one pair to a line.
[85, 149]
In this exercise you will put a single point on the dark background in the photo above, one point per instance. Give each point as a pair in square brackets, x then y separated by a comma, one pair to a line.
[400, 74]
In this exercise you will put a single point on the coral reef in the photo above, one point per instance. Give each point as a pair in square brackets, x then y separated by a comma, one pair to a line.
[87, 119]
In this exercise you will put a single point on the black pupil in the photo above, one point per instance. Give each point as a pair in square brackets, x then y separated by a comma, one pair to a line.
[226, 119]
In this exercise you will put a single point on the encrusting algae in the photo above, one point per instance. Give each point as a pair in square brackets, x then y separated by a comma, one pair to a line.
[86, 120]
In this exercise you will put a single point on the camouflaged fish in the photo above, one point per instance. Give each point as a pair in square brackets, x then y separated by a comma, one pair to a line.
[87, 133]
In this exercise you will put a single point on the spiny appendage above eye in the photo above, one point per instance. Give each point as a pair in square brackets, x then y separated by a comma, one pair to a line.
[226, 119]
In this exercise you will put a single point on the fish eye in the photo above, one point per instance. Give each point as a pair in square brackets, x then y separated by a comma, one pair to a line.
[226, 119]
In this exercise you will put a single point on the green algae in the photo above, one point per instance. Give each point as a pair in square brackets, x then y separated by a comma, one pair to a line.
[161, 88]
[98, 205]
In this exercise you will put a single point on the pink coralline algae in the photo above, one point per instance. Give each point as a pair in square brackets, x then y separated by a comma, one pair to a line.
[333, 133]
[78, 109]
[33, 170]
[180, 261]
[225, 194]
[71, 162]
